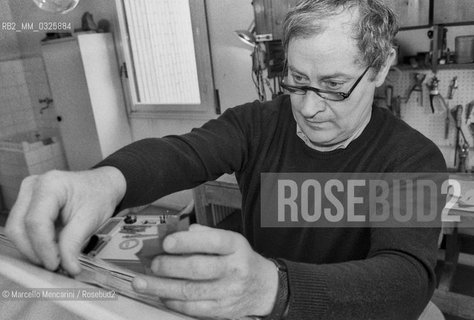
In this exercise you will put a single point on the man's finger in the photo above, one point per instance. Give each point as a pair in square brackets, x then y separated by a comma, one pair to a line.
[196, 267]
[72, 238]
[209, 240]
[15, 226]
[40, 227]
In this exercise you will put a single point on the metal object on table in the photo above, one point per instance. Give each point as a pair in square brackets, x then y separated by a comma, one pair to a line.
[418, 86]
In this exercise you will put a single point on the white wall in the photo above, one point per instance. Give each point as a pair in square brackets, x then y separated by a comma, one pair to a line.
[230, 56]
[15, 105]
[8, 39]
[16, 114]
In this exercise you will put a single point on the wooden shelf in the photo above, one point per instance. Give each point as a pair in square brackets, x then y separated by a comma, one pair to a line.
[452, 66]
[456, 66]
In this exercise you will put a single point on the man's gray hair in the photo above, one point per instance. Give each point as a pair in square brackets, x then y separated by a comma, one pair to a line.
[374, 31]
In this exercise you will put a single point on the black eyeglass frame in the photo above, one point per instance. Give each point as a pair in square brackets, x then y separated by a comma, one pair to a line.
[304, 89]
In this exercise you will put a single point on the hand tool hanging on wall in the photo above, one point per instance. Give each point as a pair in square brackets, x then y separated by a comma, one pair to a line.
[437, 103]
[461, 147]
[455, 112]
[447, 121]
[396, 106]
[453, 86]
[451, 90]
[389, 97]
[418, 86]
[470, 117]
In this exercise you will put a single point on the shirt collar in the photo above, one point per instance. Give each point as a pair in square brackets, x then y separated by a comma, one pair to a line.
[341, 145]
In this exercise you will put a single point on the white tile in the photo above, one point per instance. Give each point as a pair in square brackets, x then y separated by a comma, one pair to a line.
[20, 78]
[32, 157]
[16, 66]
[6, 67]
[56, 150]
[48, 165]
[46, 153]
[35, 168]
[22, 90]
[10, 78]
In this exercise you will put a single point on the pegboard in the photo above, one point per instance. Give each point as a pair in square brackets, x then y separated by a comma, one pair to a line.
[418, 114]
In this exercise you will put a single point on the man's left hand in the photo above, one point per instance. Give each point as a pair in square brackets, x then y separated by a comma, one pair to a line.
[211, 273]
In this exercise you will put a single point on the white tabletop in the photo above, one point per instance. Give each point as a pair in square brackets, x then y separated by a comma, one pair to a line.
[18, 274]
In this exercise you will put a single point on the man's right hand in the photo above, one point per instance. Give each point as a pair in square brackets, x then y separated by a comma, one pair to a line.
[56, 212]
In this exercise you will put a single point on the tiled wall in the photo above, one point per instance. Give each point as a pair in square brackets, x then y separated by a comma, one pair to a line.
[22, 83]
[37, 81]
[16, 114]
[20, 159]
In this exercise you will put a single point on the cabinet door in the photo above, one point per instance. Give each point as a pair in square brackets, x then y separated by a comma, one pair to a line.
[411, 13]
[68, 84]
[449, 12]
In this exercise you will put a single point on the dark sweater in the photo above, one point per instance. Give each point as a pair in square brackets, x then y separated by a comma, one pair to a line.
[338, 273]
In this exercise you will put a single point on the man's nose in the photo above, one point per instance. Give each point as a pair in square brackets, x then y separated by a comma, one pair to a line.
[312, 104]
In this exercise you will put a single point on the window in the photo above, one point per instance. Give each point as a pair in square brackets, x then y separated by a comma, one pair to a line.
[167, 64]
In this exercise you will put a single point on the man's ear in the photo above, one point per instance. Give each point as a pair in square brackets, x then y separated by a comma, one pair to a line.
[382, 74]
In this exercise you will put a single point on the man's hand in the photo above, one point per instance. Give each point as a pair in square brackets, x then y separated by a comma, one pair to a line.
[56, 212]
[212, 273]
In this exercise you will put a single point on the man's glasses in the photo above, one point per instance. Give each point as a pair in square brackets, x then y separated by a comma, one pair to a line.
[328, 95]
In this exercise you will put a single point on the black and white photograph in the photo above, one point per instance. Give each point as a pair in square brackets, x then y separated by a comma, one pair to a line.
[237, 159]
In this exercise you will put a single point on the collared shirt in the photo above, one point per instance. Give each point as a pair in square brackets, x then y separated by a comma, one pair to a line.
[340, 145]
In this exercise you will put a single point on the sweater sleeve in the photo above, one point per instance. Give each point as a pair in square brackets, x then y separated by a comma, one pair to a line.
[395, 281]
[155, 167]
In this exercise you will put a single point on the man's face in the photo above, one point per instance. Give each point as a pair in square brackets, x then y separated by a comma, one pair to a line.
[328, 61]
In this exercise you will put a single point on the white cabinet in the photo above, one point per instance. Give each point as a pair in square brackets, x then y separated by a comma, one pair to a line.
[85, 84]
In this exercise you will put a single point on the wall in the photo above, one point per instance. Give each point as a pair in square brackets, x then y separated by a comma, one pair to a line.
[28, 44]
[231, 58]
[15, 105]
[8, 39]
[420, 116]
[38, 88]
[16, 114]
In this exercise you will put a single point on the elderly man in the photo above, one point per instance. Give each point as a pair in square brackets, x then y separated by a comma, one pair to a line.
[338, 52]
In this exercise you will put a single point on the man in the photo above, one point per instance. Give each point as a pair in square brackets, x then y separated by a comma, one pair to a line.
[338, 52]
